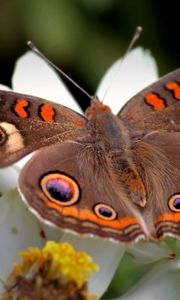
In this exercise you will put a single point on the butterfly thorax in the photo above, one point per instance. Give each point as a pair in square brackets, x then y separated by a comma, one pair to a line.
[105, 128]
[109, 137]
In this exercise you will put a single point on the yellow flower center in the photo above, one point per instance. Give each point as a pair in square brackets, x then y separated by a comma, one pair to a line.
[56, 268]
[62, 260]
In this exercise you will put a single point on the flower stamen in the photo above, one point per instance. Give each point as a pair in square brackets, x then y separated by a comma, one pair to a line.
[56, 271]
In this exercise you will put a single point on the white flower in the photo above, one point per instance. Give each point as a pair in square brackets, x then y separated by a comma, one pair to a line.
[18, 227]
[161, 283]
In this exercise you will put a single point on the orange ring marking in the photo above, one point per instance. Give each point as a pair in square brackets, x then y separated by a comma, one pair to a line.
[85, 215]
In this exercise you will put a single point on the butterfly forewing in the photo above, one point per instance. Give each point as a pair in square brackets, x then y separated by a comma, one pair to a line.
[28, 123]
[157, 107]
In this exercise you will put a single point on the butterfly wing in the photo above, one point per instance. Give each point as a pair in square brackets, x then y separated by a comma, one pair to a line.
[75, 191]
[28, 123]
[153, 117]
[158, 154]
[157, 107]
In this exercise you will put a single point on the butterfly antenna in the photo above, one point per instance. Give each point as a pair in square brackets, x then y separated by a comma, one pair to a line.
[38, 52]
[135, 37]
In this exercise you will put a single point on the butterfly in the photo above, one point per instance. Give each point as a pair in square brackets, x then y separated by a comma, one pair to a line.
[112, 176]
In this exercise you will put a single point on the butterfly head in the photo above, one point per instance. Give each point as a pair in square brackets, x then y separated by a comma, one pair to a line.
[95, 108]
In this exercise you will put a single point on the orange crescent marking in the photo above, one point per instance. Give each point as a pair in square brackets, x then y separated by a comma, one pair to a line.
[155, 101]
[173, 86]
[174, 217]
[85, 215]
[19, 108]
[47, 113]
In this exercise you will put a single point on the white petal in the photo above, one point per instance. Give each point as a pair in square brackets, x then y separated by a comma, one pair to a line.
[124, 79]
[104, 253]
[150, 252]
[51, 233]
[4, 88]
[20, 164]
[8, 179]
[35, 77]
[19, 229]
[161, 283]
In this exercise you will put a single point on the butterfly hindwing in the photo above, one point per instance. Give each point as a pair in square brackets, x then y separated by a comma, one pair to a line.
[28, 123]
[158, 154]
[74, 194]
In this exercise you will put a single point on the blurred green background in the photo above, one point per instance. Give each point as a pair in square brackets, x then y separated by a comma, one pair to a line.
[84, 37]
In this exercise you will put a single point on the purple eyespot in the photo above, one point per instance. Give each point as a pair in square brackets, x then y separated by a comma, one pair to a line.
[105, 211]
[60, 189]
[176, 203]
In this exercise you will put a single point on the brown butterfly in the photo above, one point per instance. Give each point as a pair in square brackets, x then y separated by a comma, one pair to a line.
[117, 177]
